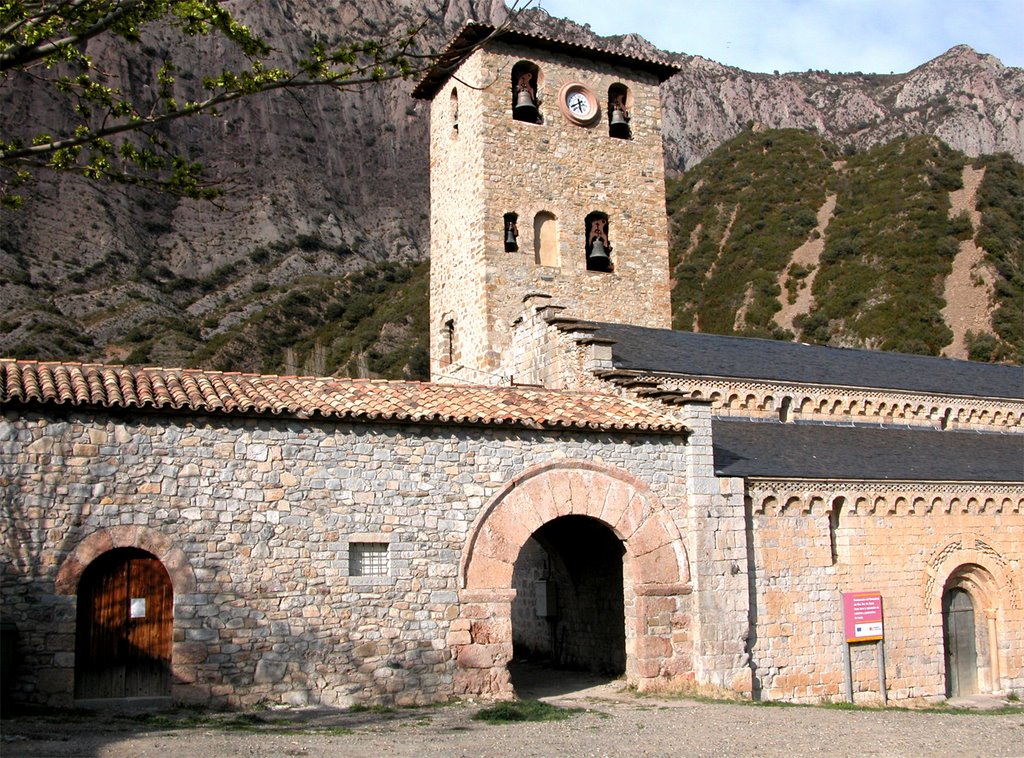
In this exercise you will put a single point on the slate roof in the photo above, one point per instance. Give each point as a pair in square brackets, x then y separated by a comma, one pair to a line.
[664, 351]
[468, 39]
[215, 392]
[817, 451]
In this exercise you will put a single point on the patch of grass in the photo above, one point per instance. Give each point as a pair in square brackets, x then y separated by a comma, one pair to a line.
[839, 705]
[360, 708]
[524, 710]
[333, 731]
[249, 722]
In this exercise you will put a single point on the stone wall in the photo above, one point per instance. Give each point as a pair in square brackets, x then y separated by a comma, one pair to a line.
[532, 635]
[457, 225]
[261, 512]
[907, 541]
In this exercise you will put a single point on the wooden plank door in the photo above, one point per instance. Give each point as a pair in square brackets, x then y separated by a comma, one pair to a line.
[961, 650]
[123, 643]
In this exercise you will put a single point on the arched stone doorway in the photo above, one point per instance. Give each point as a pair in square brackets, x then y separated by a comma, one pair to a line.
[970, 566]
[76, 576]
[568, 610]
[124, 627]
[656, 589]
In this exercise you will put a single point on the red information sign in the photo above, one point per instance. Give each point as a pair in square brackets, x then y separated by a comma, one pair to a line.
[862, 616]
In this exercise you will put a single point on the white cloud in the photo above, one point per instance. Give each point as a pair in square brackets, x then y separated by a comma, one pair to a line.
[876, 36]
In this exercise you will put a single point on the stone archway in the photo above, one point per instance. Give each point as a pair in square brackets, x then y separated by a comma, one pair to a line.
[134, 542]
[656, 595]
[162, 547]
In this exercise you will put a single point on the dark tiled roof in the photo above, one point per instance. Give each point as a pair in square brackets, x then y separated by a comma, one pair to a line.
[814, 451]
[664, 351]
[83, 385]
[472, 34]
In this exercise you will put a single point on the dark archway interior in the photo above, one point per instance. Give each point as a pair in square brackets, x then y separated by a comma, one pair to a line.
[569, 610]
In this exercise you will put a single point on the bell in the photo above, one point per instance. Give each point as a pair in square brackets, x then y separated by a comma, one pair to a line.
[619, 125]
[597, 259]
[525, 109]
[511, 245]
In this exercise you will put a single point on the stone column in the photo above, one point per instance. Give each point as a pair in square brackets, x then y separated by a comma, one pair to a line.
[481, 643]
[718, 561]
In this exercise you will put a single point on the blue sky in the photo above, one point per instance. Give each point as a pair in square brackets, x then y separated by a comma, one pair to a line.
[872, 36]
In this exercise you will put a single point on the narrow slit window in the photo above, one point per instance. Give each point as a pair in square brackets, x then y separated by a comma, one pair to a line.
[511, 233]
[834, 521]
[449, 342]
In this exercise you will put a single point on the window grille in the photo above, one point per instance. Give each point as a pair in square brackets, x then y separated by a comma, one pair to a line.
[368, 559]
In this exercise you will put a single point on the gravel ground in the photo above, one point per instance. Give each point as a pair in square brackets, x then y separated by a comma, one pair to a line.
[612, 723]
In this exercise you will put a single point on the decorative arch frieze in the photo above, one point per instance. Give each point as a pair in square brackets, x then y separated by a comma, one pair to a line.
[160, 545]
[782, 497]
[760, 399]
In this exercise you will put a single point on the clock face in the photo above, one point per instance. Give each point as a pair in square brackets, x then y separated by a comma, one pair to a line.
[578, 104]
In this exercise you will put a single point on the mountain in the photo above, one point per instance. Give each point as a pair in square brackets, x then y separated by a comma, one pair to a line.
[907, 246]
[328, 196]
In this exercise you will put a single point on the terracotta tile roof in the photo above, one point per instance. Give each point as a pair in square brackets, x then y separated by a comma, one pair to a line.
[215, 392]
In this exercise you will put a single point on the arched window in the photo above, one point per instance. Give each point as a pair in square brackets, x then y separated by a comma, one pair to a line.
[511, 233]
[598, 245]
[454, 110]
[620, 102]
[526, 83]
[545, 239]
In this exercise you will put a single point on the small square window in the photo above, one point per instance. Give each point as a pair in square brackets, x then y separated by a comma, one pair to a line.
[368, 559]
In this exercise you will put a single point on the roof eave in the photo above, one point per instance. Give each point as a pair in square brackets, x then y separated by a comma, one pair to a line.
[473, 34]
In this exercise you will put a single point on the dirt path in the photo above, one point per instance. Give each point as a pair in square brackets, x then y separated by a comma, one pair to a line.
[807, 256]
[968, 289]
[612, 722]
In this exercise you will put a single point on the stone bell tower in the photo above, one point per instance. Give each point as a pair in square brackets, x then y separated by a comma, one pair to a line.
[546, 176]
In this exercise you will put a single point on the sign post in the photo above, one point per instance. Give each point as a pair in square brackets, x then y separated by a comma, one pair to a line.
[863, 622]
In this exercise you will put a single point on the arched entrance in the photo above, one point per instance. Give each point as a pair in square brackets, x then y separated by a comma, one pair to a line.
[568, 609]
[617, 507]
[958, 636]
[124, 627]
[979, 589]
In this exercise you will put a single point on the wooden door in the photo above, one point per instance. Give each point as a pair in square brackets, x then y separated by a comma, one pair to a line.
[123, 641]
[961, 651]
